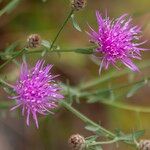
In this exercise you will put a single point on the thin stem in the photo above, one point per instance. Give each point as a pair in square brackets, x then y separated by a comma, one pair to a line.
[111, 75]
[9, 60]
[87, 50]
[87, 120]
[86, 94]
[2, 82]
[119, 105]
[128, 107]
[103, 142]
[61, 28]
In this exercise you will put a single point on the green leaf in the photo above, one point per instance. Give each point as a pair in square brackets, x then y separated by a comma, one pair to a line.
[70, 96]
[99, 96]
[75, 24]
[16, 62]
[46, 44]
[84, 51]
[138, 134]
[132, 136]
[9, 7]
[11, 47]
[91, 128]
[6, 87]
[91, 138]
[135, 88]
[7, 54]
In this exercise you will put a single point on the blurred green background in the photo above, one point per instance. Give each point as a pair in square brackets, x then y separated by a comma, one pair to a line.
[44, 18]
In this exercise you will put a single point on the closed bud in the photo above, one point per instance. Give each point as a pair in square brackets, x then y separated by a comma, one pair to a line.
[78, 4]
[33, 41]
[77, 142]
[144, 145]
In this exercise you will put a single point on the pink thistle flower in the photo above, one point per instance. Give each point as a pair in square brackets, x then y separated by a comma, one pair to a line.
[36, 91]
[117, 41]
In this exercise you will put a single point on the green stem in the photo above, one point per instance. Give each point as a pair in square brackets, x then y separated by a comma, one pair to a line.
[86, 94]
[87, 120]
[111, 75]
[61, 28]
[119, 105]
[88, 50]
[9, 60]
[104, 142]
[128, 107]
[11, 4]
[3, 83]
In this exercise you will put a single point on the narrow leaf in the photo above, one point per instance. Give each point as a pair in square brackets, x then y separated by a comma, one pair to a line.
[11, 47]
[135, 88]
[46, 44]
[91, 138]
[132, 136]
[9, 7]
[91, 128]
[75, 24]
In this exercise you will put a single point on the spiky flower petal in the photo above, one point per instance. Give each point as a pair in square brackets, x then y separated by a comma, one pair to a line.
[117, 41]
[36, 91]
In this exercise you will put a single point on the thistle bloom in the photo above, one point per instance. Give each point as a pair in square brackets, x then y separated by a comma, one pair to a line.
[117, 41]
[36, 91]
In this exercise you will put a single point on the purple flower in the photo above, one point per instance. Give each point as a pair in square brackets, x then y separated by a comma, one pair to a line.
[117, 41]
[36, 91]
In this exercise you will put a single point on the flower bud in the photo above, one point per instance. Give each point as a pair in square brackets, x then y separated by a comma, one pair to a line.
[33, 41]
[144, 145]
[78, 4]
[76, 142]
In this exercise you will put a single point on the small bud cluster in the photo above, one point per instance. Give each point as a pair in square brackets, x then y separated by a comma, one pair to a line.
[144, 145]
[33, 41]
[76, 142]
[78, 4]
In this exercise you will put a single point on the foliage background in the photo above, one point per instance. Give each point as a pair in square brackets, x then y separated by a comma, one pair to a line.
[35, 16]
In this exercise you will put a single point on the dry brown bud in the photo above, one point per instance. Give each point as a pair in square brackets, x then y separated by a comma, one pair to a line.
[76, 142]
[144, 145]
[33, 41]
[78, 4]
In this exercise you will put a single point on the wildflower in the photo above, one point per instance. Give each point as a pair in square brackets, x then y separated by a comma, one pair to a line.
[76, 142]
[117, 41]
[144, 145]
[36, 91]
[78, 4]
[34, 41]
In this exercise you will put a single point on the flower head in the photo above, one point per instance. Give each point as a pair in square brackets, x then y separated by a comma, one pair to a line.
[33, 41]
[144, 145]
[36, 91]
[117, 41]
[76, 142]
[78, 4]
